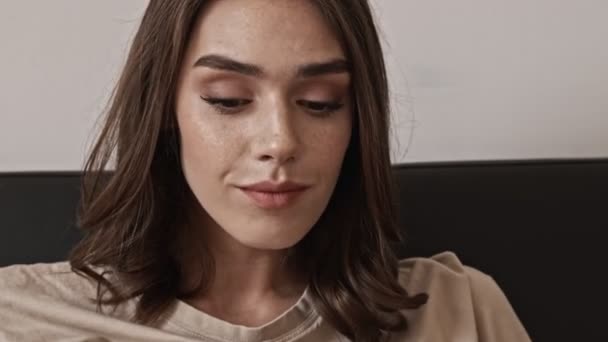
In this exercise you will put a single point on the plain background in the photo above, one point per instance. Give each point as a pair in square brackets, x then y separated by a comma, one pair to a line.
[472, 79]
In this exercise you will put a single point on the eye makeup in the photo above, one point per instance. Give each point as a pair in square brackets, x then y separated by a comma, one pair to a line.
[320, 96]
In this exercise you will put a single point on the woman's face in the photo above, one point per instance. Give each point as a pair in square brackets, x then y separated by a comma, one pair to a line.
[263, 96]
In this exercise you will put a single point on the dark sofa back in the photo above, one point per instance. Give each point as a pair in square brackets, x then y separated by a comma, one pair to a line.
[535, 226]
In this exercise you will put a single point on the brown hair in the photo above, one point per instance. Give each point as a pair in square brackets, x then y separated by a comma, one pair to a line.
[132, 218]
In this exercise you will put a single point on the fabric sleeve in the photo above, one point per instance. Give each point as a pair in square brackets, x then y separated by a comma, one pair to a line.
[495, 319]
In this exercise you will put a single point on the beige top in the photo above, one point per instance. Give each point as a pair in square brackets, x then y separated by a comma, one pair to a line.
[47, 302]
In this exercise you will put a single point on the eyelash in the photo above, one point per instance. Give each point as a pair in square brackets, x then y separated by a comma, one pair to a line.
[219, 105]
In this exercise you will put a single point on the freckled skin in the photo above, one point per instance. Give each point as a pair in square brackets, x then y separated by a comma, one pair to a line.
[273, 137]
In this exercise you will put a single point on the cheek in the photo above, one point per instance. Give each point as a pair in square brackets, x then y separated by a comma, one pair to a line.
[330, 144]
[204, 136]
[208, 148]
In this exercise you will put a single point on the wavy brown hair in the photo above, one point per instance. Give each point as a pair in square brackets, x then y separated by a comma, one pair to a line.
[132, 218]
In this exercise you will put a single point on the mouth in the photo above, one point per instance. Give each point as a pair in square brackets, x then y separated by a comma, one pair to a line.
[273, 199]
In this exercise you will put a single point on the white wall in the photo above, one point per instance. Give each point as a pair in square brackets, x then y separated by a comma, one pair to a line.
[59, 60]
[493, 79]
[473, 79]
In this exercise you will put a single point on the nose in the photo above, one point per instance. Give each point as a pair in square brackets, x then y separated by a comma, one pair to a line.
[278, 137]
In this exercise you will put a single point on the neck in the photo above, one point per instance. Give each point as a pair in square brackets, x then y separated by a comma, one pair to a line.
[248, 273]
[244, 276]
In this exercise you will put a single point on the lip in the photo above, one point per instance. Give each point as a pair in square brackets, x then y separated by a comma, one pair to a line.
[268, 195]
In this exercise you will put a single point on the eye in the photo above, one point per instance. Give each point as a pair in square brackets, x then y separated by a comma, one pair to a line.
[226, 105]
[323, 108]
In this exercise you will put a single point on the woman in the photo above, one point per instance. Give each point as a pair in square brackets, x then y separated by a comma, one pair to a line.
[251, 199]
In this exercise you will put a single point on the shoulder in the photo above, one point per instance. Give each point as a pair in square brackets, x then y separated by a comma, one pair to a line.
[20, 276]
[55, 280]
[462, 300]
[444, 268]
[444, 272]
[51, 301]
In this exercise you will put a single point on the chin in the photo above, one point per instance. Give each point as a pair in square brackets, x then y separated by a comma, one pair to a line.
[271, 241]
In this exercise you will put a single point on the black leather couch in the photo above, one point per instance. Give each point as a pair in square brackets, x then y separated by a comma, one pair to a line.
[536, 226]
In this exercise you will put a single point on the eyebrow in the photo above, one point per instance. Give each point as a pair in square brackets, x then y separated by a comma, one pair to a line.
[334, 66]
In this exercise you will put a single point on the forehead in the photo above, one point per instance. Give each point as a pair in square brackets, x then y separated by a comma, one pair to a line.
[276, 34]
